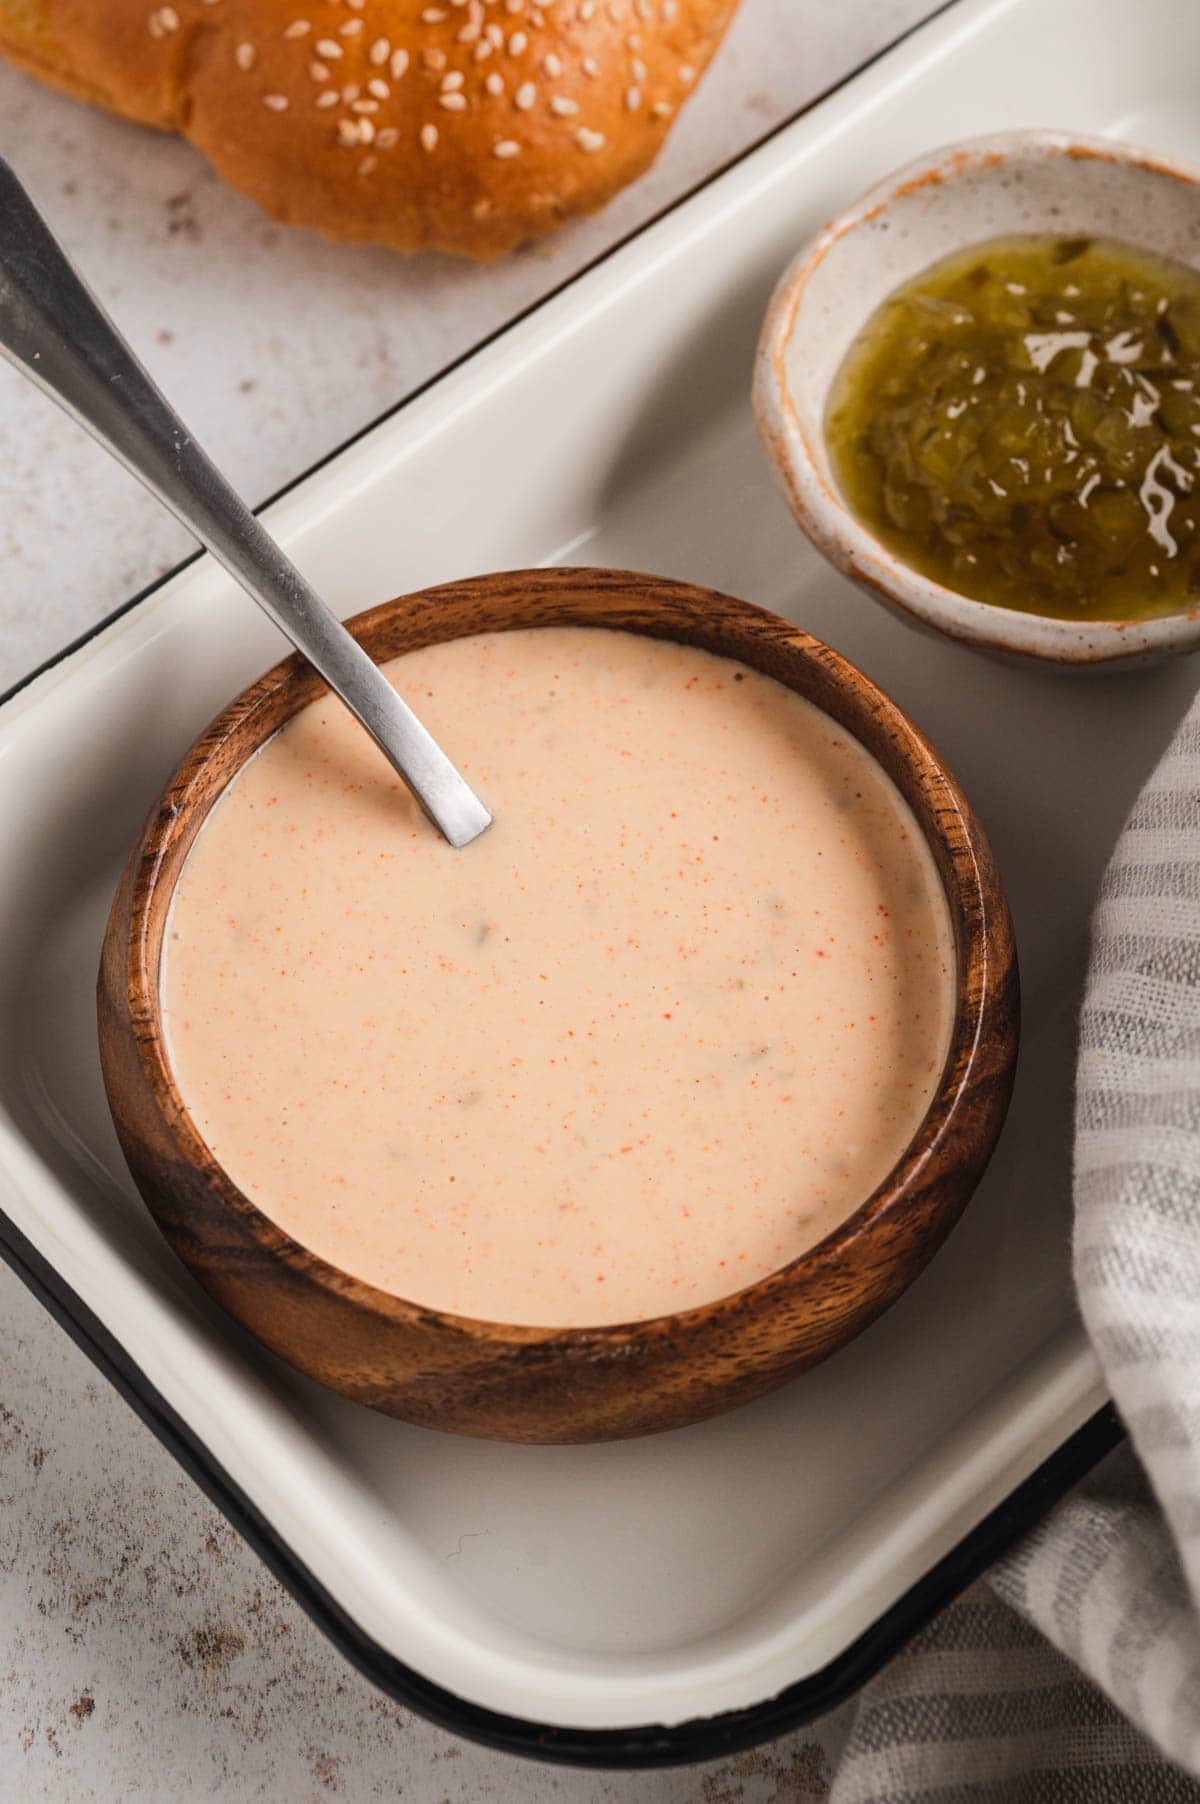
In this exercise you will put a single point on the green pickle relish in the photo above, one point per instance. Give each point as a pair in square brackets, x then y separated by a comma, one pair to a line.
[1021, 423]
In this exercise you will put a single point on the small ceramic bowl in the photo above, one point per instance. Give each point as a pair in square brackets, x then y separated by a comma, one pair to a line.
[1030, 181]
[554, 1384]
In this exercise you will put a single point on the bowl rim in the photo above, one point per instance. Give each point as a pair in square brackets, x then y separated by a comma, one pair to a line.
[818, 506]
[984, 1014]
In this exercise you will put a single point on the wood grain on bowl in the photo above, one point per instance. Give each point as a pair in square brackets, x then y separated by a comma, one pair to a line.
[554, 1384]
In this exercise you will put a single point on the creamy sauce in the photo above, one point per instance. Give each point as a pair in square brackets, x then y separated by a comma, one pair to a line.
[663, 1027]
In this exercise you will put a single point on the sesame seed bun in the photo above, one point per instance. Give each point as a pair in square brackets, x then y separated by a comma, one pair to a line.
[462, 125]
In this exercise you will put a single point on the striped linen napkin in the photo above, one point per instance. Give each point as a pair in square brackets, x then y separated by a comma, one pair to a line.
[1073, 1671]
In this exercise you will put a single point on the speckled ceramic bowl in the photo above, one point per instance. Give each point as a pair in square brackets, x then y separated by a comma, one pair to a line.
[1031, 181]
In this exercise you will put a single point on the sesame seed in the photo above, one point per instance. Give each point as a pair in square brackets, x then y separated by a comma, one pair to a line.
[299, 28]
[386, 138]
[669, 10]
[366, 131]
[350, 29]
[168, 18]
[514, 6]
[634, 41]
[347, 131]
[319, 71]
[525, 96]
[633, 99]
[367, 165]
[454, 80]
[552, 66]
[494, 83]
[563, 107]
[586, 9]
[356, 6]
[590, 66]
[328, 47]
[589, 141]
[328, 98]
[434, 59]
[379, 52]
[642, 8]
[536, 18]
[379, 88]
[278, 103]
[244, 56]
[429, 136]
[496, 36]
[469, 32]
[453, 103]
[351, 91]
[483, 50]
[433, 15]
[517, 43]
[661, 109]
[637, 69]
[687, 74]
[364, 106]
[616, 12]
[507, 147]
[398, 64]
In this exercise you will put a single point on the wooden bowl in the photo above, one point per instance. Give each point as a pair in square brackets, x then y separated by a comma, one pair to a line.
[561, 1384]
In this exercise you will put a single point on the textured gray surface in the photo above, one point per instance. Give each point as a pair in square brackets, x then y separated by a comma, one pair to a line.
[144, 1652]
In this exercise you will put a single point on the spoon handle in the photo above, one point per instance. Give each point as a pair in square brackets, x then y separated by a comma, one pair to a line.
[53, 329]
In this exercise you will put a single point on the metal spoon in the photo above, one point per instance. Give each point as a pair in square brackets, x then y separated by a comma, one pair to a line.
[53, 329]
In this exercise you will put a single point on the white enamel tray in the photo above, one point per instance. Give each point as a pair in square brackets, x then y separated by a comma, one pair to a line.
[669, 1598]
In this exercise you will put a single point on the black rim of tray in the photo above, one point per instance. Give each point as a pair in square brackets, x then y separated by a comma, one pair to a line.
[650, 1744]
